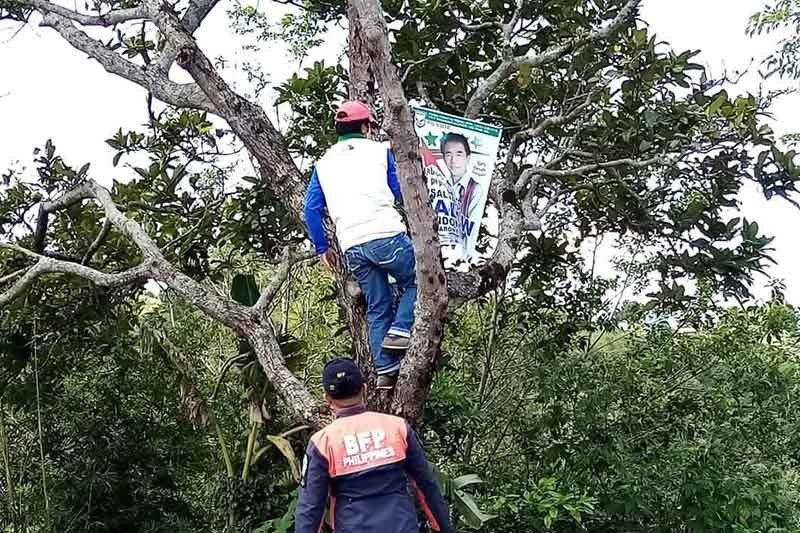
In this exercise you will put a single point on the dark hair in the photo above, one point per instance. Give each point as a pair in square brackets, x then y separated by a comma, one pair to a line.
[456, 138]
[348, 128]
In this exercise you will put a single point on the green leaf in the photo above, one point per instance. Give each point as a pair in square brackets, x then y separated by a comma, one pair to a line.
[285, 447]
[640, 37]
[650, 118]
[464, 481]
[468, 508]
[244, 289]
[717, 104]
[524, 75]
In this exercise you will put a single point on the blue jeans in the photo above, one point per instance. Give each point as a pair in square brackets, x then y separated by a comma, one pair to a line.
[371, 263]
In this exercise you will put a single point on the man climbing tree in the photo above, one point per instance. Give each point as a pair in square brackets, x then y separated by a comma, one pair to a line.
[356, 180]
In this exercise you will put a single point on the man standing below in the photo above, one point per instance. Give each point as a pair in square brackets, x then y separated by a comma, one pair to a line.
[363, 462]
[356, 180]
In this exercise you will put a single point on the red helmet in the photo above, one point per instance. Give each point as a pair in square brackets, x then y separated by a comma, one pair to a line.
[354, 111]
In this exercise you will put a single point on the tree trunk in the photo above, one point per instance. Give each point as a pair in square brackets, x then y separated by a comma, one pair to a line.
[289, 388]
[431, 309]
[362, 81]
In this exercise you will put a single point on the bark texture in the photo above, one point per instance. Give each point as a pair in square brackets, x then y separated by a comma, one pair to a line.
[431, 309]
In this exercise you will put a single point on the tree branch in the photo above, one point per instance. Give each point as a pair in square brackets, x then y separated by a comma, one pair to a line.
[21, 250]
[194, 15]
[578, 154]
[248, 120]
[413, 64]
[481, 26]
[506, 68]
[241, 319]
[539, 130]
[529, 215]
[233, 315]
[22, 284]
[13, 275]
[423, 94]
[299, 5]
[533, 217]
[431, 308]
[129, 227]
[508, 29]
[580, 171]
[524, 178]
[560, 120]
[47, 265]
[162, 209]
[289, 259]
[265, 144]
[510, 65]
[179, 95]
[98, 242]
[77, 194]
[111, 18]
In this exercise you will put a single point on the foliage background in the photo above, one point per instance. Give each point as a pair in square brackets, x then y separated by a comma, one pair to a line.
[579, 411]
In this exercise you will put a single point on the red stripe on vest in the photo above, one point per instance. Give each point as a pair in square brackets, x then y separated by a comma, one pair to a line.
[425, 507]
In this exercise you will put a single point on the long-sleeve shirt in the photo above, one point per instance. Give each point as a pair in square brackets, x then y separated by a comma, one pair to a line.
[356, 181]
[362, 465]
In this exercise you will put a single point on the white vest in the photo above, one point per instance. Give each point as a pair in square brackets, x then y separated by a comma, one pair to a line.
[353, 177]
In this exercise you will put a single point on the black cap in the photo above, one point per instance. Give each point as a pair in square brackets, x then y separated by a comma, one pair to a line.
[342, 378]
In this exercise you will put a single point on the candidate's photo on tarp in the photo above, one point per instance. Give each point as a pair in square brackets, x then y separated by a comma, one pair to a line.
[459, 156]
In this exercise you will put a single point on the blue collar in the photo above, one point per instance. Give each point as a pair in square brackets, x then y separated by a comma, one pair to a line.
[351, 411]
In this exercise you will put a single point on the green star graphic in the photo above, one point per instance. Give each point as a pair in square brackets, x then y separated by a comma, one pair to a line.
[430, 138]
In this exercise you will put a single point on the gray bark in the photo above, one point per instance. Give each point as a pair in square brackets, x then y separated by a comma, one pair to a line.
[431, 309]
[247, 322]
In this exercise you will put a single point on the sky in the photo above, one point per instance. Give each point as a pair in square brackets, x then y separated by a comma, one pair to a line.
[717, 28]
[49, 90]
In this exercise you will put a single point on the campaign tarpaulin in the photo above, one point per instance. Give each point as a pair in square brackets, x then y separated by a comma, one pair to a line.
[458, 155]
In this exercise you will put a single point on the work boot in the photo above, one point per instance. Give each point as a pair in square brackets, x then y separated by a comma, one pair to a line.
[386, 381]
[395, 342]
